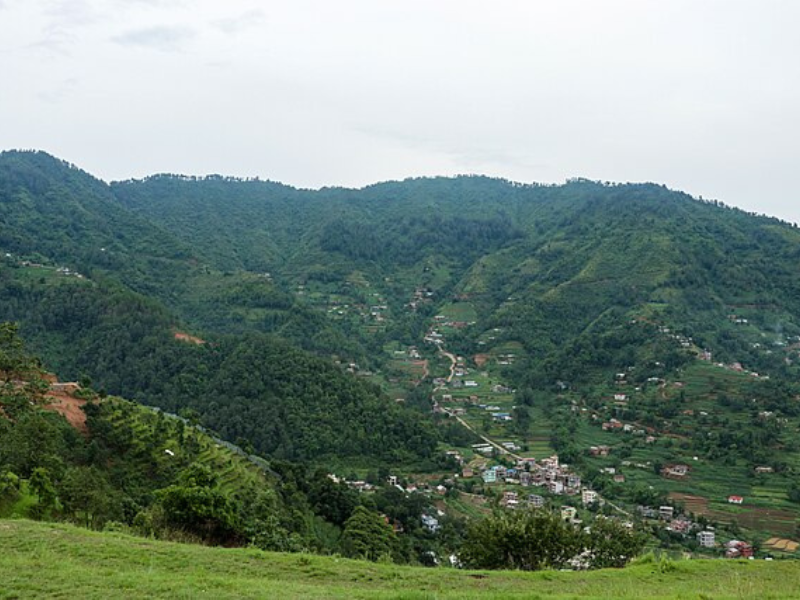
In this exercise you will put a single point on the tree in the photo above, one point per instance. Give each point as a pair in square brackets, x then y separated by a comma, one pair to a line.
[86, 495]
[536, 539]
[14, 362]
[42, 486]
[528, 540]
[197, 506]
[367, 535]
[610, 544]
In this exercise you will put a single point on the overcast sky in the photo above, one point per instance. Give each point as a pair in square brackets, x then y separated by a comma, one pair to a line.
[702, 95]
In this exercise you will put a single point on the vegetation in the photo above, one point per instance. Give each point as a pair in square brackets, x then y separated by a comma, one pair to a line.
[570, 306]
[54, 560]
[536, 539]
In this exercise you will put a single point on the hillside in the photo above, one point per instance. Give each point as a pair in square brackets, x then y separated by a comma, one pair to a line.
[46, 559]
[627, 327]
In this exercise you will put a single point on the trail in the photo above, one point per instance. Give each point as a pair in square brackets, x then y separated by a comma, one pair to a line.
[483, 437]
[453, 363]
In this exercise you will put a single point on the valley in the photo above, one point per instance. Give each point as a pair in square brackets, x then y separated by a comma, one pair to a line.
[443, 348]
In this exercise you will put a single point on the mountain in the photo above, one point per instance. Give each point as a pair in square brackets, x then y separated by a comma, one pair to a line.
[94, 318]
[545, 317]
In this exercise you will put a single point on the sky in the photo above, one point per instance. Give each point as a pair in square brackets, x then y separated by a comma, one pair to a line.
[700, 95]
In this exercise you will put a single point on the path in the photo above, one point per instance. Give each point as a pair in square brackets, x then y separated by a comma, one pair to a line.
[453, 363]
[483, 437]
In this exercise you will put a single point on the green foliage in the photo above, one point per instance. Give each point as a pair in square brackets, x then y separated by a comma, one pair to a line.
[527, 540]
[532, 540]
[611, 544]
[366, 535]
[203, 510]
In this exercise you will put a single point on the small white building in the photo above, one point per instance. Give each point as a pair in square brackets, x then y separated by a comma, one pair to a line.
[589, 496]
[706, 539]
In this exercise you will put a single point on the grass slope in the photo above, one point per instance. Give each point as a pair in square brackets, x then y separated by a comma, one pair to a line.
[56, 560]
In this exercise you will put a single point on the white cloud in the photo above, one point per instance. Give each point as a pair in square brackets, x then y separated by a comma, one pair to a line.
[163, 38]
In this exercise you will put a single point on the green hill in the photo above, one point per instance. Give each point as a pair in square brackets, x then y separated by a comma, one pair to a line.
[630, 316]
[45, 560]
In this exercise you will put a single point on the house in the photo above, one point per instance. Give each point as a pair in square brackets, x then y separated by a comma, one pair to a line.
[599, 450]
[666, 512]
[509, 499]
[738, 549]
[501, 471]
[735, 499]
[555, 487]
[489, 476]
[536, 501]
[573, 480]
[470, 383]
[675, 471]
[589, 496]
[706, 539]
[762, 470]
[619, 478]
[568, 513]
[467, 472]
[430, 523]
[647, 512]
[680, 525]
[612, 425]
[525, 478]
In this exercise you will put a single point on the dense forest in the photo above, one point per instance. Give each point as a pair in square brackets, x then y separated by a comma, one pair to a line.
[163, 476]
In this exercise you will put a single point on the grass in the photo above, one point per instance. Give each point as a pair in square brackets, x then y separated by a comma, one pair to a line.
[56, 560]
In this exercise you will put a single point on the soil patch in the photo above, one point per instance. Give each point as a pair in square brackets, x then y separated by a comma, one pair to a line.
[68, 406]
[185, 337]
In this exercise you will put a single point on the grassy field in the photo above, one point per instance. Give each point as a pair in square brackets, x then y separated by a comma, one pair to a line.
[54, 560]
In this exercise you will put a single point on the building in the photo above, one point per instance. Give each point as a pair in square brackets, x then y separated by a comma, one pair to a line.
[599, 450]
[431, 523]
[536, 501]
[738, 549]
[666, 512]
[568, 513]
[489, 476]
[735, 499]
[706, 539]
[589, 496]
[680, 525]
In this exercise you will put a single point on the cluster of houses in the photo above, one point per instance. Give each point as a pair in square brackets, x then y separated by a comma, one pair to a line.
[65, 271]
[547, 473]
[421, 296]
[617, 425]
[706, 538]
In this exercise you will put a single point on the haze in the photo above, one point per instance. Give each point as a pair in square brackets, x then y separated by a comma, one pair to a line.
[703, 96]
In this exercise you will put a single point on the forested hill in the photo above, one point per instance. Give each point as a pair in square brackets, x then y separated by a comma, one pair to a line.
[100, 293]
[547, 264]
[54, 212]
[558, 273]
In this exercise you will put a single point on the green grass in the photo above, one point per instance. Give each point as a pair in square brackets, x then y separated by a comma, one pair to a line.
[55, 560]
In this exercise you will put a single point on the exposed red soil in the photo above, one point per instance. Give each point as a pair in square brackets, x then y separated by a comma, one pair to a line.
[185, 337]
[70, 407]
